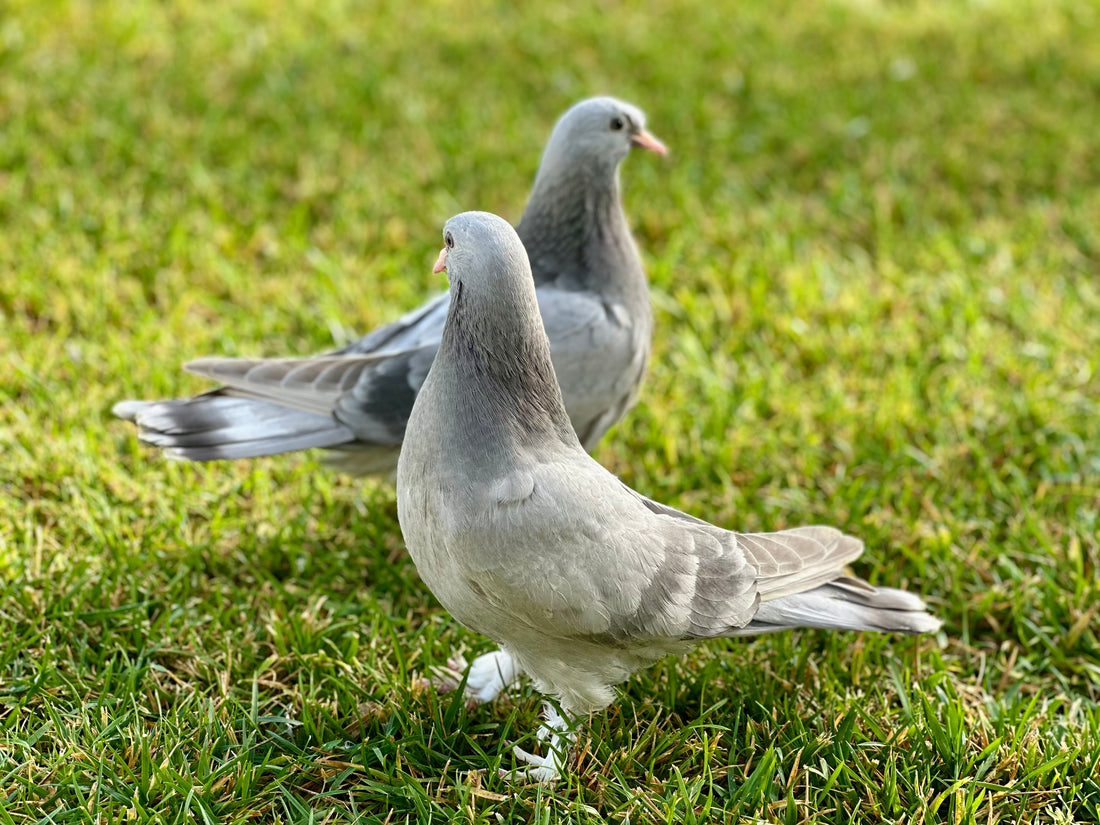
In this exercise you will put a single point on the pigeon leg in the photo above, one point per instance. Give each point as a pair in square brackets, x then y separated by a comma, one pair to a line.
[490, 675]
[558, 734]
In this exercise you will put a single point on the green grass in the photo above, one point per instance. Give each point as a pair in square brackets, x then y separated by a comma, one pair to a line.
[874, 254]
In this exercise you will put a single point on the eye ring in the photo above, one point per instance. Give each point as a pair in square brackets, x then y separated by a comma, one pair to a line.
[449, 240]
[617, 124]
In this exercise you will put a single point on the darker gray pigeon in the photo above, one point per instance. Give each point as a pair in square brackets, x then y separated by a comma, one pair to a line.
[592, 293]
[526, 539]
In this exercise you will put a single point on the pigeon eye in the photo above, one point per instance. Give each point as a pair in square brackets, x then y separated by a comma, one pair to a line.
[449, 240]
[617, 124]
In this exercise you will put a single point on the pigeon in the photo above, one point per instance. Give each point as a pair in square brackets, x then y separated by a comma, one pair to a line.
[592, 292]
[526, 539]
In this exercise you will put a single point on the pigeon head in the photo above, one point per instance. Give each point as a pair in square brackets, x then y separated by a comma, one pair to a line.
[485, 260]
[598, 133]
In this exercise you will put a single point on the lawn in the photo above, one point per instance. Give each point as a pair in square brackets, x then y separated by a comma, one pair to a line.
[875, 264]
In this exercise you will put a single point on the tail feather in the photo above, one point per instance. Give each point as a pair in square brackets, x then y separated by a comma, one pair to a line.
[214, 426]
[799, 559]
[846, 603]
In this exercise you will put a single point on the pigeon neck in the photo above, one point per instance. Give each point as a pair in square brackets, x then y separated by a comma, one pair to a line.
[501, 373]
[576, 234]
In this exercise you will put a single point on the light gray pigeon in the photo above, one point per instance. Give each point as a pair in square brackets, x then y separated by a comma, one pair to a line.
[526, 539]
[592, 293]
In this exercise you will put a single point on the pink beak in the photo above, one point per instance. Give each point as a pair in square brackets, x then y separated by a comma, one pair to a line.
[441, 261]
[646, 141]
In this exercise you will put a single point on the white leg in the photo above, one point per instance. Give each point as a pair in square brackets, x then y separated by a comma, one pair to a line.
[490, 675]
[558, 734]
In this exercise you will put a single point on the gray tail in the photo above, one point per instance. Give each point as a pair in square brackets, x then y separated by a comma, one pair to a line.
[215, 426]
[846, 603]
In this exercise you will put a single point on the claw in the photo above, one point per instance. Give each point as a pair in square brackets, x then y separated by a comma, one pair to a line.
[447, 679]
[544, 770]
[559, 736]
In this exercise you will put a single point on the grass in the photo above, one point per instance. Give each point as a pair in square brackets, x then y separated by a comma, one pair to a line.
[874, 258]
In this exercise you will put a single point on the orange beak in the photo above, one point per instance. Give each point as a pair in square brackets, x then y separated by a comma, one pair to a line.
[441, 261]
[645, 140]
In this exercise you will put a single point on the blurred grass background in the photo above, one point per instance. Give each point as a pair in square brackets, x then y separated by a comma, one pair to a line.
[874, 254]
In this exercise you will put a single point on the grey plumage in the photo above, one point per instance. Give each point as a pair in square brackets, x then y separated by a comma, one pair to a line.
[525, 538]
[592, 293]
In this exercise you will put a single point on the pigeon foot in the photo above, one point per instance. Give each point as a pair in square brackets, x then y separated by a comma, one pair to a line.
[558, 735]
